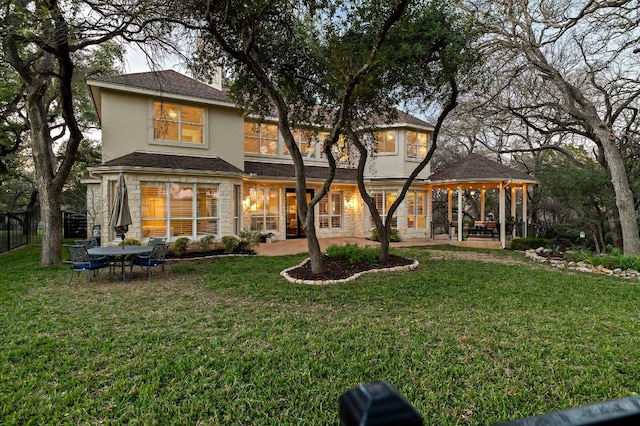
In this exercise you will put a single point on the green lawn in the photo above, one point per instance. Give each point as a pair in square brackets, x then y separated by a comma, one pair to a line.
[231, 342]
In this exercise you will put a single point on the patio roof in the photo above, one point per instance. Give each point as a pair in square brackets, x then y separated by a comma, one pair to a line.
[172, 162]
[475, 169]
[262, 170]
[283, 170]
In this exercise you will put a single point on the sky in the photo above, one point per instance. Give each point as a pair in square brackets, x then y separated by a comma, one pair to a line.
[136, 61]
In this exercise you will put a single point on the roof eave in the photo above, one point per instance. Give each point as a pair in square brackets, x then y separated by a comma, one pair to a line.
[149, 92]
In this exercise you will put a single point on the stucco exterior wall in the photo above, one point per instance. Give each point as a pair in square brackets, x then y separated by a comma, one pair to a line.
[127, 126]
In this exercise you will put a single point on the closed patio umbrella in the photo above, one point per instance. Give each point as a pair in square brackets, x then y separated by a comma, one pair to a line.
[120, 218]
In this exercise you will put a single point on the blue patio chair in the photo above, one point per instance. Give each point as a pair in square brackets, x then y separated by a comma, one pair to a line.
[155, 240]
[155, 258]
[82, 261]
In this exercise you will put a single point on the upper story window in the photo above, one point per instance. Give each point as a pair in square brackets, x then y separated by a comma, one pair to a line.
[416, 145]
[384, 142]
[178, 123]
[260, 138]
[306, 141]
[340, 149]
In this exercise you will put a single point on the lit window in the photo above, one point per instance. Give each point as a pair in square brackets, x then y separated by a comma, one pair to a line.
[306, 141]
[170, 210]
[260, 138]
[178, 123]
[330, 210]
[340, 149]
[384, 142]
[416, 145]
[263, 206]
[384, 200]
[416, 210]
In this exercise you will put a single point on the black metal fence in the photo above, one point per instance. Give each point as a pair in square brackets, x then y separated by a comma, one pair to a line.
[18, 229]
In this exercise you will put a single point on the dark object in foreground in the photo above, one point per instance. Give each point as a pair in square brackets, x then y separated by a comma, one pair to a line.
[380, 404]
[625, 411]
[376, 404]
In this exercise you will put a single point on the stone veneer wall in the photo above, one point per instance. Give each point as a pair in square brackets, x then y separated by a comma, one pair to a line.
[134, 182]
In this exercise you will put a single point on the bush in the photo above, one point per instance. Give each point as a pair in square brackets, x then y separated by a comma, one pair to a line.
[130, 242]
[229, 242]
[206, 242]
[395, 235]
[180, 246]
[528, 243]
[250, 238]
[613, 260]
[354, 253]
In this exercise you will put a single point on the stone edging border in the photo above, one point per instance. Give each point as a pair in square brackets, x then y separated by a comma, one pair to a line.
[213, 256]
[289, 278]
[534, 255]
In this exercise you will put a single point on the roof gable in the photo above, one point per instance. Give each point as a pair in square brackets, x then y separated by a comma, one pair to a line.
[169, 82]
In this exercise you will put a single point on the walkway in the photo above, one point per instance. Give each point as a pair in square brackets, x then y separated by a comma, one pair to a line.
[296, 246]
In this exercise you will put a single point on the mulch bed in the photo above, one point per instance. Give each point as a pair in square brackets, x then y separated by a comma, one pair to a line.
[339, 269]
[200, 254]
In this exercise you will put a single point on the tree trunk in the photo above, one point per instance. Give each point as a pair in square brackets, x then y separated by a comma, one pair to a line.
[48, 191]
[51, 217]
[624, 196]
[614, 229]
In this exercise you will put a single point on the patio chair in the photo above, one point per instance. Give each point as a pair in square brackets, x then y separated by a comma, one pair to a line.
[155, 240]
[155, 258]
[82, 261]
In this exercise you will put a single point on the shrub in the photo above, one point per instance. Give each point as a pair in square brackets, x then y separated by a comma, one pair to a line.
[229, 242]
[206, 242]
[394, 238]
[130, 242]
[180, 246]
[249, 239]
[354, 253]
[528, 243]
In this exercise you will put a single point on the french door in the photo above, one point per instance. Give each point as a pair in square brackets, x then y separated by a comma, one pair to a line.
[294, 226]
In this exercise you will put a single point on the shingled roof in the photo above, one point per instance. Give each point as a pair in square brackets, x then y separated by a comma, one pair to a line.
[172, 162]
[278, 170]
[475, 167]
[168, 81]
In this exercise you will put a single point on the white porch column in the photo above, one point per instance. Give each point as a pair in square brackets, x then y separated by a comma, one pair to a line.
[429, 212]
[524, 211]
[482, 195]
[513, 209]
[502, 216]
[460, 212]
[449, 209]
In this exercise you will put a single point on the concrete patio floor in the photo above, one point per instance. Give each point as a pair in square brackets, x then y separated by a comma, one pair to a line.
[284, 247]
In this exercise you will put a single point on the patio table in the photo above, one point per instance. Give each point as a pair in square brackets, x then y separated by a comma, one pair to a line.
[120, 253]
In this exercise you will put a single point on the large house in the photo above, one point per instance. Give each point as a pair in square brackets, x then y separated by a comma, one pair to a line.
[195, 164]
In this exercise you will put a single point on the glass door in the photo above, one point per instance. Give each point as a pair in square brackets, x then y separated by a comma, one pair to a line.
[294, 226]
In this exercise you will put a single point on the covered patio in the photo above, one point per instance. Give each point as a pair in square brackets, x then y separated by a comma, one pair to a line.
[472, 179]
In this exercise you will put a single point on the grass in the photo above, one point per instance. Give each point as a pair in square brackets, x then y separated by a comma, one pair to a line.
[231, 342]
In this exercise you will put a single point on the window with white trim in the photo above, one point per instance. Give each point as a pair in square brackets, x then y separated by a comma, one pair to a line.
[384, 199]
[306, 141]
[340, 149]
[384, 142]
[260, 138]
[174, 210]
[416, 209]
[417, 144]
[263, 207]
[179, 123]
[330, 210]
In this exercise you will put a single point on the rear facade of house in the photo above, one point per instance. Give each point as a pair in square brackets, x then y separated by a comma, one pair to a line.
[195, 164]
